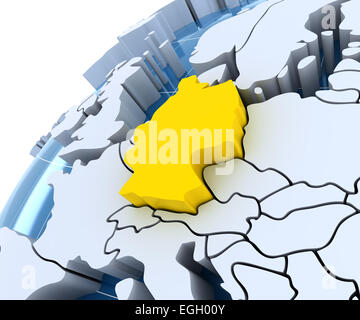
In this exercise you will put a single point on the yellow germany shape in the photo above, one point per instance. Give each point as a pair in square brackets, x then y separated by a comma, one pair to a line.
[195, 128]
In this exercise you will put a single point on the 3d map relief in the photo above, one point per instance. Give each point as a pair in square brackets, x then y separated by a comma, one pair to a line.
[216, 158]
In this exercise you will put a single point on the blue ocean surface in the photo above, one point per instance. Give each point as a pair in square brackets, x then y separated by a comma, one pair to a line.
[30, 205]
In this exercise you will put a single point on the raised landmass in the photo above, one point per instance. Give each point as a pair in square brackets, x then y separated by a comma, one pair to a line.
[197, 127]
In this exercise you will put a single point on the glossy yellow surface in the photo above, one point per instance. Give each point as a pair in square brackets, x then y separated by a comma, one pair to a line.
[192, 130]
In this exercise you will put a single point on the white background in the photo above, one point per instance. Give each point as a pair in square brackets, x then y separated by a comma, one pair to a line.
[46, 46]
